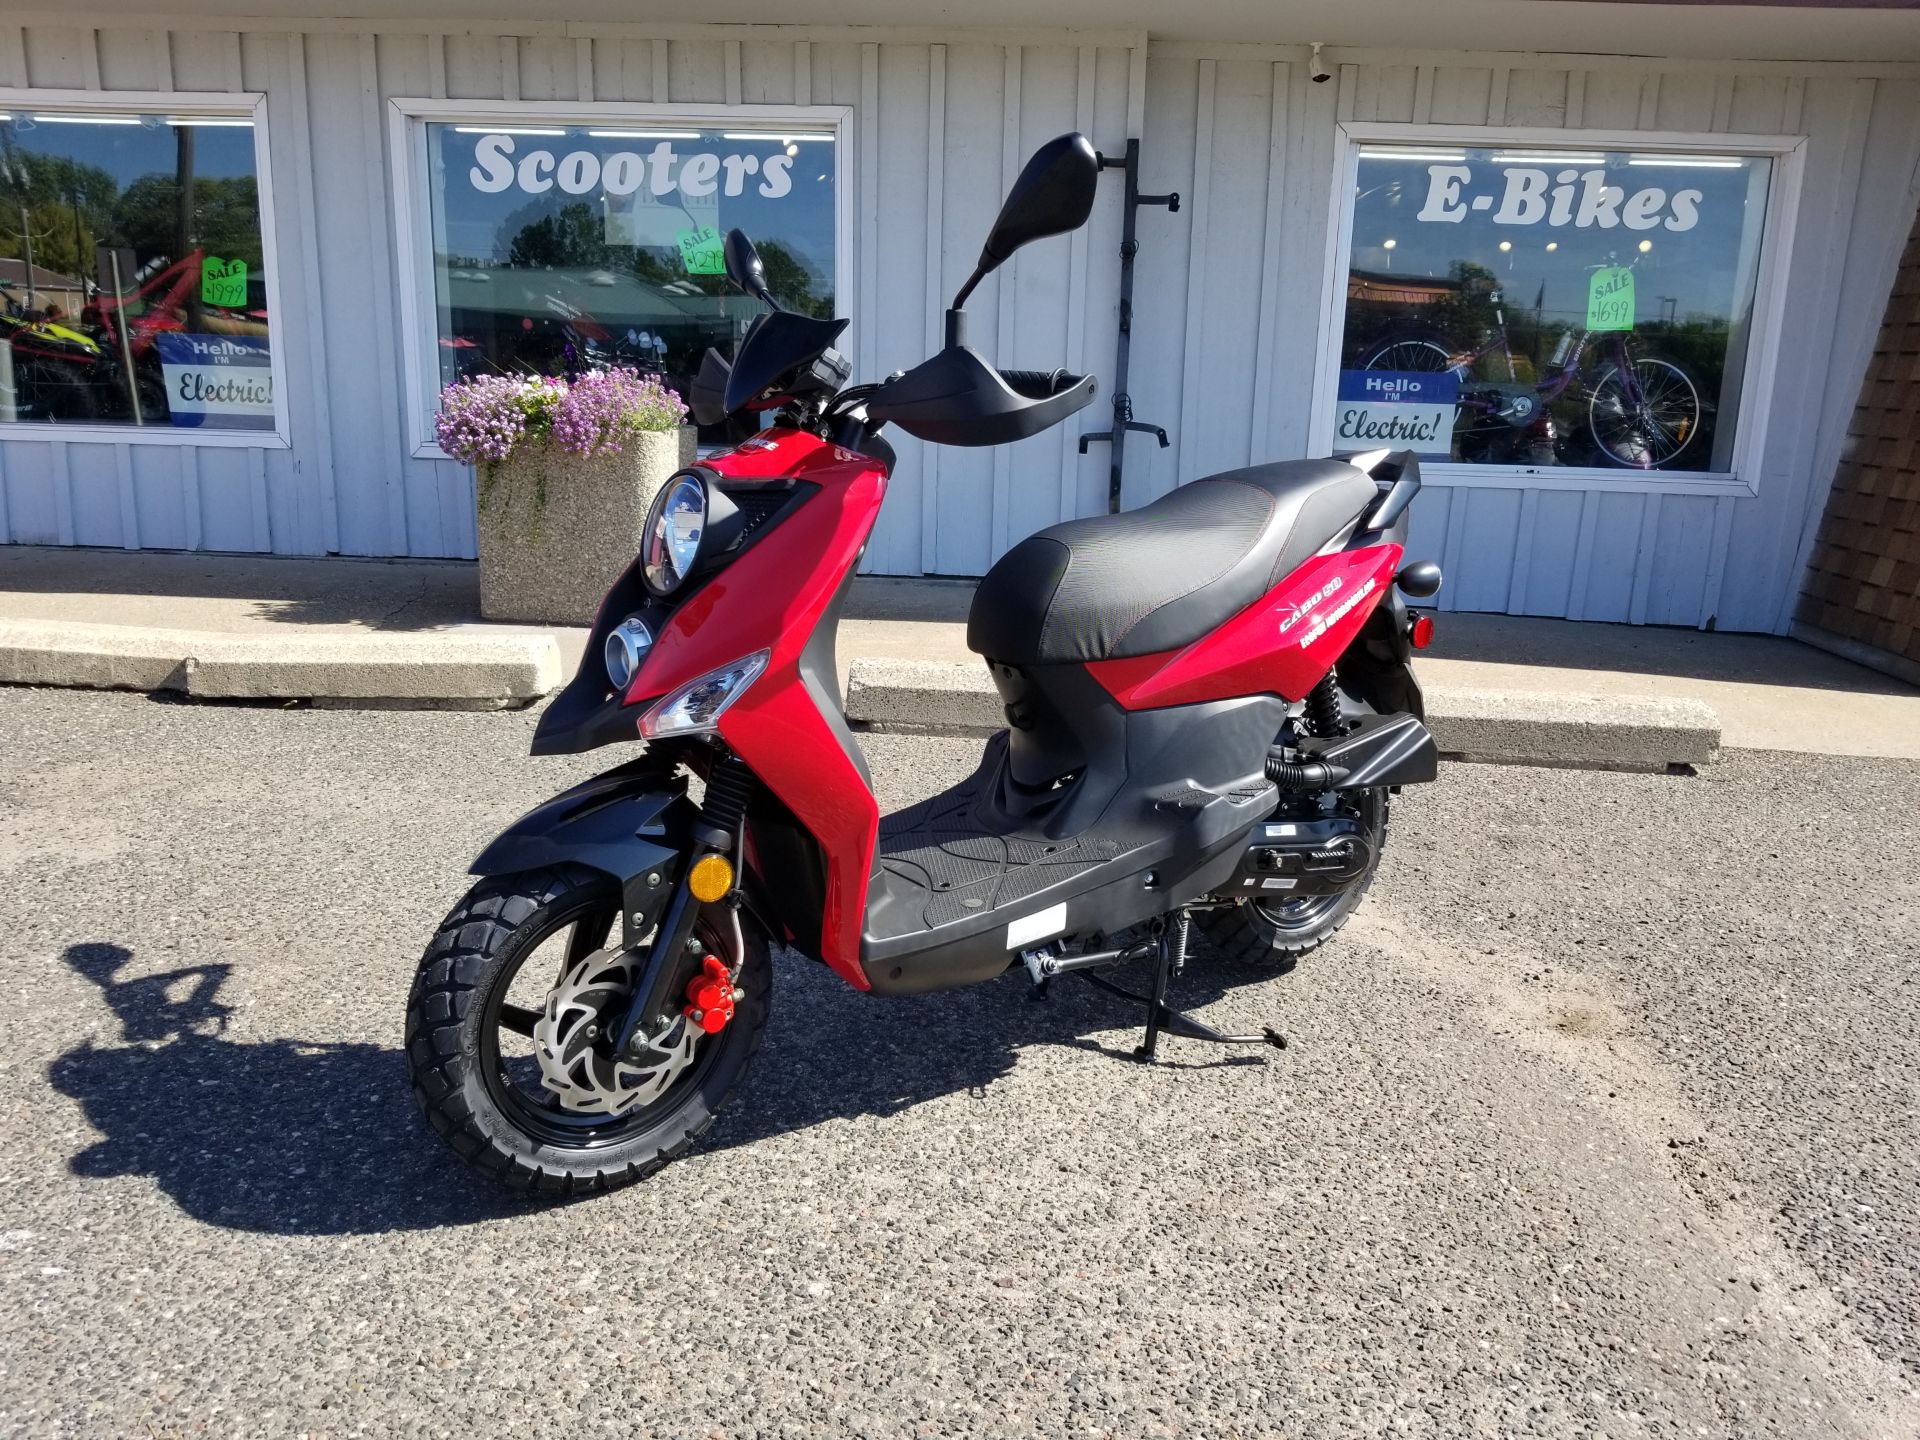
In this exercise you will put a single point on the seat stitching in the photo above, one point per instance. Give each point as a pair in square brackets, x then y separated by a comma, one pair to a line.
[1273, 576]
[1121, 638]
[1046, 615]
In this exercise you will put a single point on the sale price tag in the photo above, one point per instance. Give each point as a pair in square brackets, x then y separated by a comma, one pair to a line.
[223, 283]
[702, 251]
[1610, 299]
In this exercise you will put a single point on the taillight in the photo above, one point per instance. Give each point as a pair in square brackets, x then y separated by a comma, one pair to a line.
[1420, 632]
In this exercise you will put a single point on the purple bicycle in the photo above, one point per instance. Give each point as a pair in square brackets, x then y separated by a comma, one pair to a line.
[1641, 410]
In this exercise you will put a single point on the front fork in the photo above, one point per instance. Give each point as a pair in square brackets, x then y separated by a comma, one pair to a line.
[670, 910]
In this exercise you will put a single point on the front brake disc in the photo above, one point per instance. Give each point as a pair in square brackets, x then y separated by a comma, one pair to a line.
[570, 1033]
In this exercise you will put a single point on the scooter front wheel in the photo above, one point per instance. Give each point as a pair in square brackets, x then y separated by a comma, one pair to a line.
[509, 1020]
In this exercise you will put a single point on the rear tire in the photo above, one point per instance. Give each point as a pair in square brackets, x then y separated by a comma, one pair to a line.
[493, 1119]
[1655, 433]
[1275, 936]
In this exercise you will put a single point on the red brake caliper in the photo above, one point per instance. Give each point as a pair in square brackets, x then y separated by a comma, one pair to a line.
[710, 996]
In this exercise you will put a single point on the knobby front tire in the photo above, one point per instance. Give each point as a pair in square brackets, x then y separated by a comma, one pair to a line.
[479, 1099]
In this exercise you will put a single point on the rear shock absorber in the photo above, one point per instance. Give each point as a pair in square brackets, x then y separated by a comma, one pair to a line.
[1322, 711]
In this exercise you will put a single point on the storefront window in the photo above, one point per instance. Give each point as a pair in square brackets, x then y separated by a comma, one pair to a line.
[558, 248]
[1549, 306]
[132, 273]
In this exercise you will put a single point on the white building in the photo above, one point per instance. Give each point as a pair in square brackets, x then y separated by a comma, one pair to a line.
[1522, 201]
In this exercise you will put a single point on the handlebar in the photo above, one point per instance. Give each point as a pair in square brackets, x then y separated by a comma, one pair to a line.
[958, 398]
[1040, 384]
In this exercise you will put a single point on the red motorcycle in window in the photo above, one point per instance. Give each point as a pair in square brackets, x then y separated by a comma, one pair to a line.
[1208, 702]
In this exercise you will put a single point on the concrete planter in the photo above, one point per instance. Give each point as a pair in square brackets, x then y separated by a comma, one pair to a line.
[550, 561]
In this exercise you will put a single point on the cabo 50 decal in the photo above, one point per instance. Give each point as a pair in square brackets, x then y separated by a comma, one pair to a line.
[1333, 617]
[1300, 611]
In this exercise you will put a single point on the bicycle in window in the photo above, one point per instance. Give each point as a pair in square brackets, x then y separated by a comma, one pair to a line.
[1605, 396]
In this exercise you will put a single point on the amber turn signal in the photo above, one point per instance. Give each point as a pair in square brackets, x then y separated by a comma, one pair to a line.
[711, 878]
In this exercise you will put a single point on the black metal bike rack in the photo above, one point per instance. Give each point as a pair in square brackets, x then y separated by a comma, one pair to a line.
[1123, 420]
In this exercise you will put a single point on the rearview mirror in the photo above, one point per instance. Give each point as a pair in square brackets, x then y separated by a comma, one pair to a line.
[745, 269]
[1053, 195]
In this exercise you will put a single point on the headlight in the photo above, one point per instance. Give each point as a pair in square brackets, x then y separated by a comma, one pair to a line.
[675, 526]
[697, 706]
[627, 646]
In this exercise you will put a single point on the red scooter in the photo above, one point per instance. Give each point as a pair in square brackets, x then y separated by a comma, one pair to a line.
[1208, 701]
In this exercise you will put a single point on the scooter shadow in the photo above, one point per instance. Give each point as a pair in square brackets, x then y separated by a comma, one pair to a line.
[323, 1138]
[832, 1053]
[280, 1136]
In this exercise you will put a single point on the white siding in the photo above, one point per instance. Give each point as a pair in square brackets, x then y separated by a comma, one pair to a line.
[940, 129]
[1228, 300]
[1219, 117]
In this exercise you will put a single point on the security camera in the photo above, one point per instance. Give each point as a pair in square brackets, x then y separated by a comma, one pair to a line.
[1317, 70]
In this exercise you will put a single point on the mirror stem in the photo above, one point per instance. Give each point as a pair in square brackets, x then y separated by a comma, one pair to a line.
[957, 325]
[979, 274]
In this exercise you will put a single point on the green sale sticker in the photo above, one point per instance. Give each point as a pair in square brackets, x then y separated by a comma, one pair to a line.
[702, 251]
[223, 283]
[1610, 299]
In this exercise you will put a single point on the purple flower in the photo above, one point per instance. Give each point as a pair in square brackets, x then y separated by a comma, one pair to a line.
[482, 420]
[604, 408]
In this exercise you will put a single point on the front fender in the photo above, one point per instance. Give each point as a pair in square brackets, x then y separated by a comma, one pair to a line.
[630, 823]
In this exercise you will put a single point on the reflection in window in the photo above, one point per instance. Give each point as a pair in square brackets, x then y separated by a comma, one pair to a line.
[562, 248]
[1550, 306]
[132, 278]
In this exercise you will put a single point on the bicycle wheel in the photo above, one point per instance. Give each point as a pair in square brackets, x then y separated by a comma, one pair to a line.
[1646, 419]
[1410, 353]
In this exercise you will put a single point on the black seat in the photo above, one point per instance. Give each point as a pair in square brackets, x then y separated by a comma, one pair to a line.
[1161, 576]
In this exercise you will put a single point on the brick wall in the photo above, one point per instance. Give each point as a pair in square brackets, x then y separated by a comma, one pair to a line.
[1862, 586]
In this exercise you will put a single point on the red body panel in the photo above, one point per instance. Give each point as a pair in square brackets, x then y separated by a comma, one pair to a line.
[775, 595]
[1281, 644]
[773, 598]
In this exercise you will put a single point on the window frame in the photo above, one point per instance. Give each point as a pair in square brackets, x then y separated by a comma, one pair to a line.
[215, 105]
[408, 118]
[1752, 416]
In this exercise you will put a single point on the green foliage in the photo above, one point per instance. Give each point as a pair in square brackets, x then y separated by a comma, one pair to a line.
[790, 282]
[70, 208]
[572, 237]
[225, 220]
[66, 205]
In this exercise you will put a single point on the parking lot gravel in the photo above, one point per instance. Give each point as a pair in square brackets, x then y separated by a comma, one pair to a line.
[1599, 1120]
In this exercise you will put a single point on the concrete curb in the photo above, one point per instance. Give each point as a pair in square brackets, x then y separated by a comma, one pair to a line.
[460, 666]
[1513, 727]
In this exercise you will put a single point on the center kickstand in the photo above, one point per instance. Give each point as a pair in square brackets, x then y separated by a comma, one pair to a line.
[1170, 957]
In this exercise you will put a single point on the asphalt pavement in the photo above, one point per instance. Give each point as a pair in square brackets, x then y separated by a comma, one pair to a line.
[1598, 1121]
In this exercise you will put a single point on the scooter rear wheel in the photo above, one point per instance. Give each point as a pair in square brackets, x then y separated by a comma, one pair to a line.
[515, 1114]
[1276, 934]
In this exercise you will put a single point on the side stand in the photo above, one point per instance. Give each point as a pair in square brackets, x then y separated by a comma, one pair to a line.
[1123, 420]
[1170, 958]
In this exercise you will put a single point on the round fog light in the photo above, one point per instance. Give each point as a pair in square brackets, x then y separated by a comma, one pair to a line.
[627, 645]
